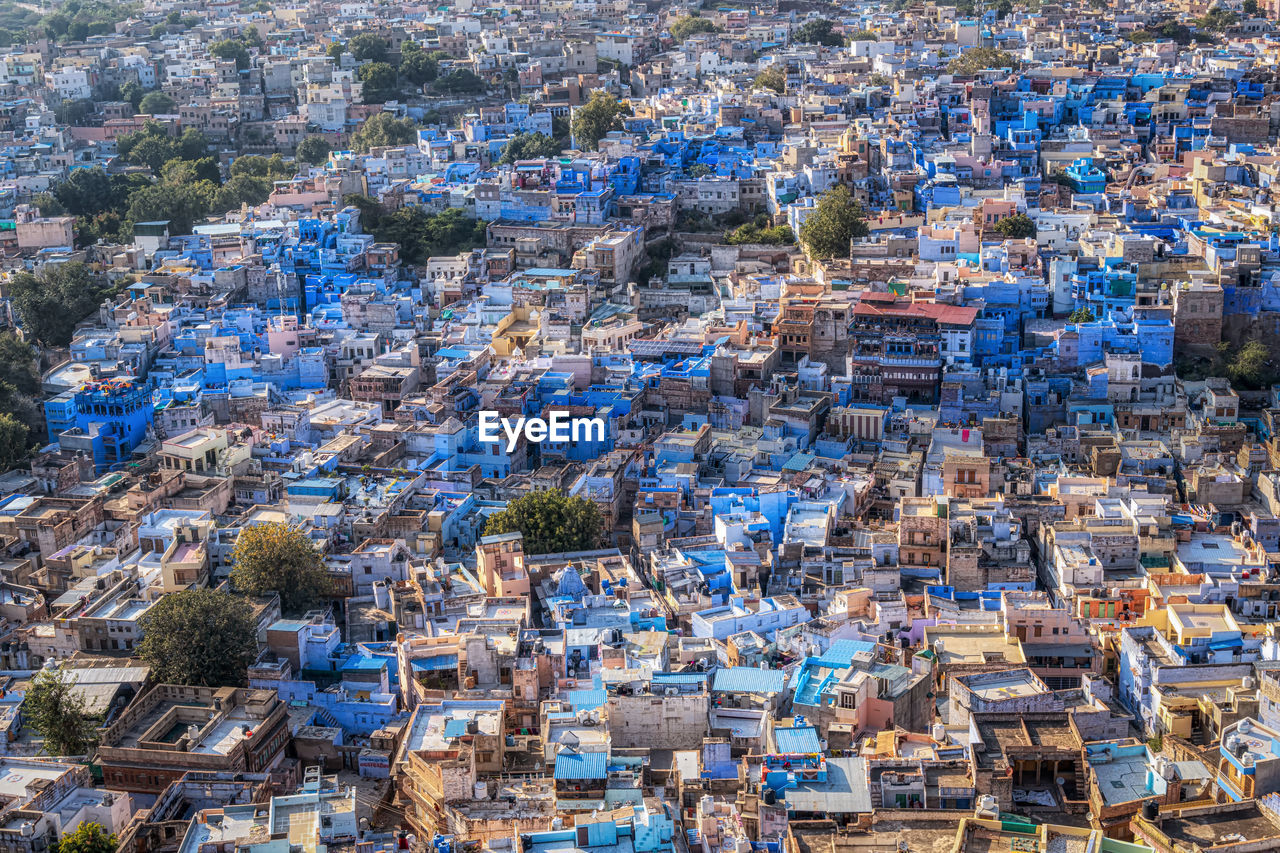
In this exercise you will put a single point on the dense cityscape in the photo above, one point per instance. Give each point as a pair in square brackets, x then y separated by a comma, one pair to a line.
[591, 426]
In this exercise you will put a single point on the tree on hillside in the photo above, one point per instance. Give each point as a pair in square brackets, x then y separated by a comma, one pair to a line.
[232, 49]
[314, 150]
[836, 220]
[56, 711]
[383, 129]
[379, 80]
[18, 364]
[1081, 315]
[977, 59]
[529, 146]
[1249, 366]
[367, 47]
[1016, 227]
[86, 838]
[200, 636]
[773, 78]
[14, 441]
[819, 31]
[422, 235]
[52, 301]
[596, 118]
[181, 204]
[156, 103]
[691, 25]
[279, 558]
[418, 67]
[551, 522]
[1217, 19]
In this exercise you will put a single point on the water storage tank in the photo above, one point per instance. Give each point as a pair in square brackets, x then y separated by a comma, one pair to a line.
[482, 791]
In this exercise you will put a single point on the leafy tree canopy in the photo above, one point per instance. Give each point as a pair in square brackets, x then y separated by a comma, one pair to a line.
[422, 235]
[978, 59]
[231, 49]
[200, 636]
[836, 220]
[86, 838]
[314, 150]
[597, 118]
[691, 25]
[383, 129]
[53, 300]
[57, 712]
[367, 47]
[156, 103]
[551, 522]
[773, 78]
[279, 558]
[1016, 227]
[750, 234]
[529, 146]
[14, 441]
[379, 80]
[819, 31]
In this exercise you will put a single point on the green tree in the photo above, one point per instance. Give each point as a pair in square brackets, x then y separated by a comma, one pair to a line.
[366, 47]
[252, 165]
[241, 189]
[977, 59]
[529, 146]
[231, 49]
[596, 118]
[279, 558]
[153, 152]
[836, 220]
[421, 236]
[819, 31]
[18, 364]
[86, 191]
[48, 204]
[699, 170]
[192, 144]
[1250, 365]
[86, 838]
[156, 103]
[750, 234]
[55, 710]
[335, 50]
[52, 301]
[379, 81]
[460, 81]
[418, 67]
[132, 91]
[1217, 19]
[773, 78]
[200, 636]
[1016, 227]
[314, 150]
[691, 25]
[551, 522]
[1249, 7]
[864, 35]
[14, 441]
[383, 129]
[251, 37]
[74, 112]
[1081, 315]
[181, 205]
